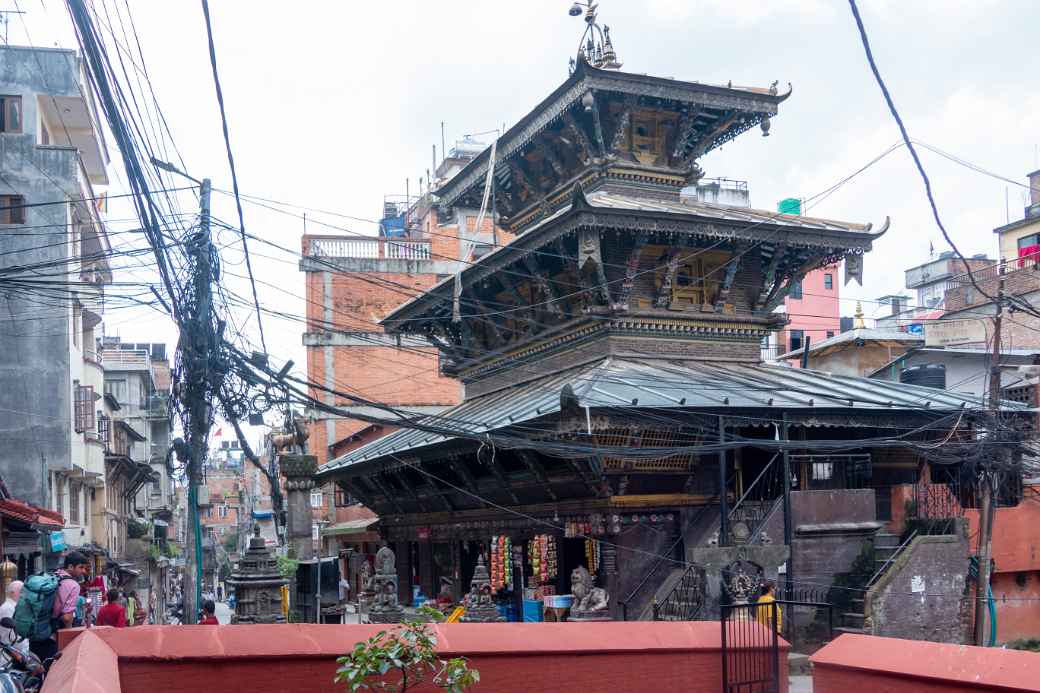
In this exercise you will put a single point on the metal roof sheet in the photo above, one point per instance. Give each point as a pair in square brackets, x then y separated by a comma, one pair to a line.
[604, 199]
[870, 334]
[666, 384]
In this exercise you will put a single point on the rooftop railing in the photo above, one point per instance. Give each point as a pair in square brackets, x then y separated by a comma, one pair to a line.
[373, 248]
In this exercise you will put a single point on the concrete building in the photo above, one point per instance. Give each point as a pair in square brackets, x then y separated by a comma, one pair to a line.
[137, 376]
[51, 156]
[1021, 239]
[930, 282]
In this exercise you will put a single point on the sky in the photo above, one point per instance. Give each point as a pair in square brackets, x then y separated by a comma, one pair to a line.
[331, 105]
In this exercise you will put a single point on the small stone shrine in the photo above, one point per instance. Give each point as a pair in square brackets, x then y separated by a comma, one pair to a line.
[480, 607]
[258, 584]
[385, 605]
[590, 602]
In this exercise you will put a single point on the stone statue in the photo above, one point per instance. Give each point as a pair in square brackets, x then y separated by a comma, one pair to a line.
[385, 607]
[366, 577]
[386, 561]
[480, 607]
[590, 602]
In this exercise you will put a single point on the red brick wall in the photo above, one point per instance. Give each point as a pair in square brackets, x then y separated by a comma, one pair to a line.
[630, 657]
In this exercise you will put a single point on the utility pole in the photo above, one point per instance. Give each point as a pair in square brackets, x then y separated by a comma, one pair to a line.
[988, 475]
[197, 349]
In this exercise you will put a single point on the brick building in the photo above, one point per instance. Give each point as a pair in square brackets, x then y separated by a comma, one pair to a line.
[352, 283]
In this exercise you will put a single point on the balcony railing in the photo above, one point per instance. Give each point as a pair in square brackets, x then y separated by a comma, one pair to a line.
[374, 248]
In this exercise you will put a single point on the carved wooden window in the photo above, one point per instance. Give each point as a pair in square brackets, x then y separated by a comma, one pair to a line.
[647, 145]
[697, 282]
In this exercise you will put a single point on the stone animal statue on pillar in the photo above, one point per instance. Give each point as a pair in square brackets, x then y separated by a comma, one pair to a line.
[590, 602]
[294, 438]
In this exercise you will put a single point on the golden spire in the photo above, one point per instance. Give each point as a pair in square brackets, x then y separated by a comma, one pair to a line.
[857, 321]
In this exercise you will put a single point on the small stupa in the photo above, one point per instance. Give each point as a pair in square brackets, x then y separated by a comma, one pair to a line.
[258, 584]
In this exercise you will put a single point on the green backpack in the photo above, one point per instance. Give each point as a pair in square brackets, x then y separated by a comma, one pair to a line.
[34, 614]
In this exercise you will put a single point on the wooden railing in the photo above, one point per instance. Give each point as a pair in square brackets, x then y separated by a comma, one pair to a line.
[374, 248]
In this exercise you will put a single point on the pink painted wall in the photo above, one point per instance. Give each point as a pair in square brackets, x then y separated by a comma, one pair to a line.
[889, 665]
[817, 312]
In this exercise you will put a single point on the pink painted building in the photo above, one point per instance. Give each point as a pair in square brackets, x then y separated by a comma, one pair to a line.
[813, 309]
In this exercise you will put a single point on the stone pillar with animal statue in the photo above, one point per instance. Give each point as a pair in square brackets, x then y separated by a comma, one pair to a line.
[299, 469]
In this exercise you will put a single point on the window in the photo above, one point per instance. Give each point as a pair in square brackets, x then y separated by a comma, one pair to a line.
[315, 532]
[1030, 240]
[12, 209]
[77, 320]
[10, 114]
[822, 471]
[74, 504]
[343, 498]
[222, 511]
[796, 290]
[828, 281]
[104, 429]
[84, 411]
[830, 333]
[316, 499]
[797, 338]
[117, 388]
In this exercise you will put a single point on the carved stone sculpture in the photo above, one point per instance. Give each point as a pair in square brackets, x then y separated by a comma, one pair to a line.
[385, 606]
[590, 602]
[258, 584]
[480, 607]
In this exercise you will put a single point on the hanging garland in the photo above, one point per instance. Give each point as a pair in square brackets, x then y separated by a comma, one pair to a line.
[593, 555]
[541, 552]
[501, 565]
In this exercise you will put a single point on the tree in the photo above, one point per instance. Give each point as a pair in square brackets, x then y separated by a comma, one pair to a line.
[401, 659]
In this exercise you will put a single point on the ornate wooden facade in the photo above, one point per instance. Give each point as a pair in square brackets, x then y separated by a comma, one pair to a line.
[622, 315]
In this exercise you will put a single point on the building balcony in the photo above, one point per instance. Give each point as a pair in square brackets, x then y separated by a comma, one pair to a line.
[368, 248]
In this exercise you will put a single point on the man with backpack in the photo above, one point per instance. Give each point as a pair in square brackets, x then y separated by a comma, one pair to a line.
[48, 604]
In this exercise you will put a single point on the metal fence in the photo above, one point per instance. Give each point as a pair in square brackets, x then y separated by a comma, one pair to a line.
[751, 648]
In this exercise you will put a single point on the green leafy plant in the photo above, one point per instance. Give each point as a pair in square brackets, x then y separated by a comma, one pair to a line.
[137, 530]
[398, 660]
[287, 566]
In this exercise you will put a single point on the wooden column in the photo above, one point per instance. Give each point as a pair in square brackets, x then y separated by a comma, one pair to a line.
[788, 527]
[723, 500]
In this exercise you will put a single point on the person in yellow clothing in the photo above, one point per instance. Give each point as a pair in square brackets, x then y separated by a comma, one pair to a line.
[765, 606]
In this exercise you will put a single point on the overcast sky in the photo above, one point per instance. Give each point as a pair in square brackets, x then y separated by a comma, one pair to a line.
[332, 105]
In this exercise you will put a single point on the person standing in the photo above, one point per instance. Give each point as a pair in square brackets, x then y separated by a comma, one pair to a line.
[7, 635]
[765, 606]
[131, 607]
[64, 611]
[112, 614]
[209, 614]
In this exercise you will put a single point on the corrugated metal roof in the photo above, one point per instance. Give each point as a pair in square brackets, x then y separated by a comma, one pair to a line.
[667, 384]
[870, 334]
[605, 199]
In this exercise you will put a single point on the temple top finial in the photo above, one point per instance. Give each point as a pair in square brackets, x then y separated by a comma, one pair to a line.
[595, 44]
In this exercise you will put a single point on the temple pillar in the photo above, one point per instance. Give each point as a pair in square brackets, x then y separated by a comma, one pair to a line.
[299, 471]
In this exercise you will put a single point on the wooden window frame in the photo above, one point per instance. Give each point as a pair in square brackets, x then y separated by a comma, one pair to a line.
[83, 397]
[12, 210]
[11, 104]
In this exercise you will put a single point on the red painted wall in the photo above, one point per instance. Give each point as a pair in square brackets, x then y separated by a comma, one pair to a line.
[631, 657]
[1016, 555]
[889, 665]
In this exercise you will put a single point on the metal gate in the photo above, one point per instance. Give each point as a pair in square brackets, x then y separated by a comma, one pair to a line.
[750, 648]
